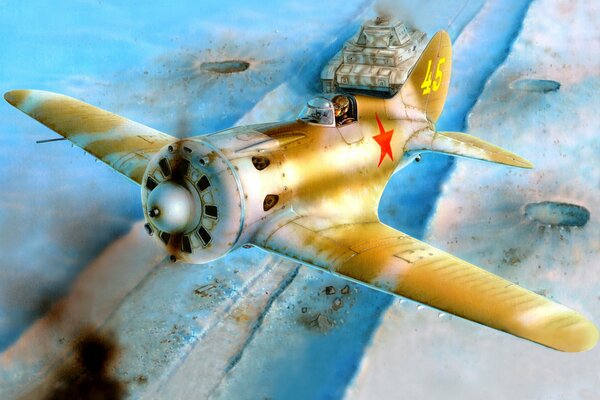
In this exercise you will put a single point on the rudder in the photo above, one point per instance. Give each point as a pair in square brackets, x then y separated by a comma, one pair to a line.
[427, 85]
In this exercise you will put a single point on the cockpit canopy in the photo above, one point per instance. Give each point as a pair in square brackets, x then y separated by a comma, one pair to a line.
[319, 111]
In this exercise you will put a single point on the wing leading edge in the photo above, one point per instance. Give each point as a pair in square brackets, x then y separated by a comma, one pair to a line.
[124, 145]
[386, 259]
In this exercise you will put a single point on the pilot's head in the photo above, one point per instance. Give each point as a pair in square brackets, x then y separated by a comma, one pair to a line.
[340, 104]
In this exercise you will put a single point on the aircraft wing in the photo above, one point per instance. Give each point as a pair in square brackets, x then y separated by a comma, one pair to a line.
[386, 259]
[124, 145]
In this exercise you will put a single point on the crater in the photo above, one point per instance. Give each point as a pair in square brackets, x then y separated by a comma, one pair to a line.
[535, 85]
[557, 214]
[225, 67]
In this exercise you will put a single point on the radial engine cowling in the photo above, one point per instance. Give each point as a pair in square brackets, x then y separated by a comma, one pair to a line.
[192, 201]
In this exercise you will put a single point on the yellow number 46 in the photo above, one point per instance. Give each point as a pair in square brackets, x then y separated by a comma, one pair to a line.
[429, 83]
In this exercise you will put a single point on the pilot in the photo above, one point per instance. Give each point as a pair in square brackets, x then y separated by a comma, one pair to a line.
[341, 104]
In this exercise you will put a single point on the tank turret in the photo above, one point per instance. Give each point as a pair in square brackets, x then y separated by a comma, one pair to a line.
[377, 59]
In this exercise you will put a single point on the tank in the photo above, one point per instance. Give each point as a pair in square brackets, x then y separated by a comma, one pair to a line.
[377, 59]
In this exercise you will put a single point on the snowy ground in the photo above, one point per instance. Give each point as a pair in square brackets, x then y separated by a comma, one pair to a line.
[249, 325]
[480, 217]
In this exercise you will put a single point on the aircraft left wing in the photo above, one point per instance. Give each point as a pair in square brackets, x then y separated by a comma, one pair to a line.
[124, 145]
[386, 259]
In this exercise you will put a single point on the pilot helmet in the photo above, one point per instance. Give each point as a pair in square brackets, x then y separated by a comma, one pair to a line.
[340, 104]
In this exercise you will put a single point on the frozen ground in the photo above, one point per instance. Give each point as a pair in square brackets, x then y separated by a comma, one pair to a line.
[249, 326]
[481, 217]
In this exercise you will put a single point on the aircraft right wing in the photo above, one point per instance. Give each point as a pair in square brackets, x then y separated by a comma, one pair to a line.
[124, 145]
[386, 259]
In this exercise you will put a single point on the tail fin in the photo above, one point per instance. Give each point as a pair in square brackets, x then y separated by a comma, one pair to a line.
[427, 84]
[425, 89]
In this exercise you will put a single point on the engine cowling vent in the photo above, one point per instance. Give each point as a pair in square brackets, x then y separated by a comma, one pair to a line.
[192, 201]
[260, 163]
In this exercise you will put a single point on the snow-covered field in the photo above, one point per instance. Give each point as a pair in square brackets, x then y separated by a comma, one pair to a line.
[75, 256]
[480, 217]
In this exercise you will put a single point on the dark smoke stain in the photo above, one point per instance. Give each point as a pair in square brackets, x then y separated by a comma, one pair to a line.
[89, 374]
[225, 67]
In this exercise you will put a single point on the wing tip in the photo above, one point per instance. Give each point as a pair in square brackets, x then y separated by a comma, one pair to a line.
[580, 334]
[583, 337]
[19, 97]
[16, 97]
[521, 162]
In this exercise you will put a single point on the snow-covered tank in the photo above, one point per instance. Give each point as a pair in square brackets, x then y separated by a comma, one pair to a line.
[378, 58]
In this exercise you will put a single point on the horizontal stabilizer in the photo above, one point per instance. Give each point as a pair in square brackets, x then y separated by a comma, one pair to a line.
[124, 145]
[463, 145]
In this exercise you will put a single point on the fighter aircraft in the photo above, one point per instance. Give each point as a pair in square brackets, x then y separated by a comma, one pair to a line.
[308, 190]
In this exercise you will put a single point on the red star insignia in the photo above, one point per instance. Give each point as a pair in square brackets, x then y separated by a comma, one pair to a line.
[384, 139]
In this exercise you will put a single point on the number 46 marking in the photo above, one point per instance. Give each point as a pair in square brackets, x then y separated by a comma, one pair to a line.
[429, 83]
